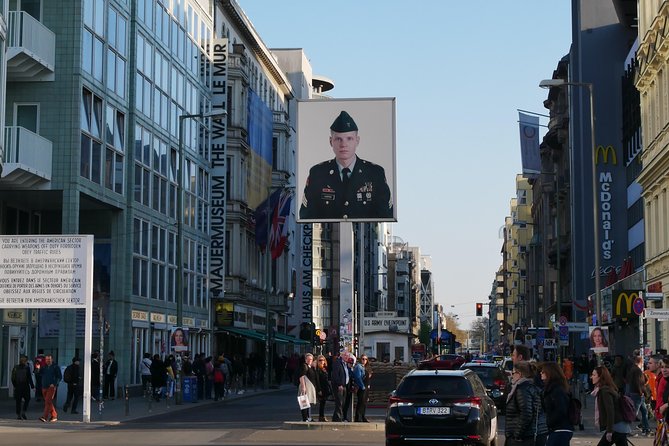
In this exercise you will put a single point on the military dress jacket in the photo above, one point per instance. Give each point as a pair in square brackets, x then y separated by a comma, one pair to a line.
[368, 194]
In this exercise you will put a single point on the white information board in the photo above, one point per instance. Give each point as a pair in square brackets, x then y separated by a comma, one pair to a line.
[51, 271]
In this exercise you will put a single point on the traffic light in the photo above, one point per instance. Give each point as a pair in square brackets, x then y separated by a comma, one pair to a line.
[479, 309]
[305, 331]
[316, 339]
[501, 328]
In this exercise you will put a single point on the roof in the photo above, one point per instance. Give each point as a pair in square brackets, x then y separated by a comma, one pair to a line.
[417, 372]
[479, 364]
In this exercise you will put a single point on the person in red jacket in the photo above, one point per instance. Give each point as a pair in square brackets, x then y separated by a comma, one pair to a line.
[662, 390]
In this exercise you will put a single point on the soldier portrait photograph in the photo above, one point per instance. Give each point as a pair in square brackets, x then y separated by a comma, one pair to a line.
[346, 153]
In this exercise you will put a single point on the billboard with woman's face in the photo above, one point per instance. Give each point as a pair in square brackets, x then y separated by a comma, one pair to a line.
[179, 340]
[599, 339]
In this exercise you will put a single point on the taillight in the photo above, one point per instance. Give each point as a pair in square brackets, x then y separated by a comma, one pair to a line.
[499, 383]
[395, 401]
[474, 402]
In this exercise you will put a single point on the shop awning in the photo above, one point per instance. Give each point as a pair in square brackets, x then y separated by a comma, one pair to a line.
[279, 337]
[243, 332]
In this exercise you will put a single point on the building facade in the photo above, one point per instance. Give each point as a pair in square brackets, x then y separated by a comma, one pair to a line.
[99, 108]
[652, 84]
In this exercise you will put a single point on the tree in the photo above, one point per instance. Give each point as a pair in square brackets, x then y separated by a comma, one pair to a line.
[424, 333]
[478, 333]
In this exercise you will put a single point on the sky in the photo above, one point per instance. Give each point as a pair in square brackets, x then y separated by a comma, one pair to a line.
[460, 71]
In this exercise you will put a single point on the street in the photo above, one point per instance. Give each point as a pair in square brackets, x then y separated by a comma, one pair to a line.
[261, 419]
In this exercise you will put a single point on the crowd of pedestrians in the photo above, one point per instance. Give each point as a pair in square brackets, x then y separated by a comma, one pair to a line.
[215, 376]
[540, 405]
[343, 377]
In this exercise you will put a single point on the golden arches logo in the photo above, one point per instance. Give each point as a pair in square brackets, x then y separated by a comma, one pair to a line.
[628, 297]
[605, 151]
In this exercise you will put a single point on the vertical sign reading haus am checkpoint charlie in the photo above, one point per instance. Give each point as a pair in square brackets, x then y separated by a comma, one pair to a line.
[45, 271]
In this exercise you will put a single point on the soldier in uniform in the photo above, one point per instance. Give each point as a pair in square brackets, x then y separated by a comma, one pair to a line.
[346, 186]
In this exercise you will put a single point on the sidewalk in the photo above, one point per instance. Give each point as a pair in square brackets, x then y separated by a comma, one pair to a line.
[113, 411]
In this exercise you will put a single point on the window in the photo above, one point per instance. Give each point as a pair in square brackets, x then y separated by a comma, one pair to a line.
[93, 38]
[140, 264]
[116, 52]
[27, 116]
[115, 148]
[91, 137]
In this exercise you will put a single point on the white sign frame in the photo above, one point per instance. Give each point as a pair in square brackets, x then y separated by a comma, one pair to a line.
[657, 313]
[51, 271]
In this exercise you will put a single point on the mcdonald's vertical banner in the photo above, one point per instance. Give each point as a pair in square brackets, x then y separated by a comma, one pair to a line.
[219, 52]
[529, 144]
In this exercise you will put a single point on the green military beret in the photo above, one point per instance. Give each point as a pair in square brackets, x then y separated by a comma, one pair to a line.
[344, 123]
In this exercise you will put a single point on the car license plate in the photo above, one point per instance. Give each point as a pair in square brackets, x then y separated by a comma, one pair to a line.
[434, 410]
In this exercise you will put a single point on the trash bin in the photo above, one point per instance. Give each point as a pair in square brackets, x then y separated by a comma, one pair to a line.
[189, 389]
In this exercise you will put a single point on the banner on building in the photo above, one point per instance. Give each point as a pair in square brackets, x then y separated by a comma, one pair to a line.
[219, 193]
[529, 144]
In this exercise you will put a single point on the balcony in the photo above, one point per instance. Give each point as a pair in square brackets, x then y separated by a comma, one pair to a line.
[27, 160]
[31, 49]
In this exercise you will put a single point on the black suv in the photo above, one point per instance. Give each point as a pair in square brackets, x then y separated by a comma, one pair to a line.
[494, 379]
[431, 406]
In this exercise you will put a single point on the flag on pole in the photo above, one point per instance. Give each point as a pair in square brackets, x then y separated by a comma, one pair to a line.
[278, 236]
[263, 217]
[529, 144]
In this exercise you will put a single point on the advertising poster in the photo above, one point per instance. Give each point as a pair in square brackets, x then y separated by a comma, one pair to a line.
[599, 339]
[346, 160]
[179, 340]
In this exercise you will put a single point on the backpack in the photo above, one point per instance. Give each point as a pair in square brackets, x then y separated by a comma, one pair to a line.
[627, 411]
[67, 376]
[574, 411]
[218, 375]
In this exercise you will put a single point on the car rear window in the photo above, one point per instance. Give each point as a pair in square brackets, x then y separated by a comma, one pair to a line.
[487, 374]
[437, 385]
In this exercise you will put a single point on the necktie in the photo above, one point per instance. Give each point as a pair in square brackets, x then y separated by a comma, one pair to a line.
[344, 177]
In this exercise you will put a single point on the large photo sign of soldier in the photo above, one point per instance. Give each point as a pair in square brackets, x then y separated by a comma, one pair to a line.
[346, 160]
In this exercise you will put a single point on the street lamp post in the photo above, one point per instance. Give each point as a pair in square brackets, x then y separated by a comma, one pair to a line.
[549, 83]
[214, 114]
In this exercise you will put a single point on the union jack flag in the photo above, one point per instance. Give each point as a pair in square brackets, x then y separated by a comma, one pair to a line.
[278, 236]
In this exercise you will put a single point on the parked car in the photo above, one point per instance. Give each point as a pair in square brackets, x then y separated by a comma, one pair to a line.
[507, 366]
[442, 362]
[431, 406]
[494, 379]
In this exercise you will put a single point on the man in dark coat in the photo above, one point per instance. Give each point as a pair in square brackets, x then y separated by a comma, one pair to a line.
[95, 376]
[346, 186]
[111, 370]
[71, 378]
[158, 376]
[340, 379]
[22, 381]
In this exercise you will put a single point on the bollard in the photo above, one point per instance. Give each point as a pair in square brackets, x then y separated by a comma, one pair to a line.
[127, 400]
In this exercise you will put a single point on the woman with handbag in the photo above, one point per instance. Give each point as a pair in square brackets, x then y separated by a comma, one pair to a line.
[307, 377]
[522, 407]
[607, 409]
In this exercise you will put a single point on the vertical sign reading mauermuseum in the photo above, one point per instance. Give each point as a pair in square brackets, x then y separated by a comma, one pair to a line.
[219, 168]
[45, 271]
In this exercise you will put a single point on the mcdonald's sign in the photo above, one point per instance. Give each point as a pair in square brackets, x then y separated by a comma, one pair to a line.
[623, 300]
[605, 152]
